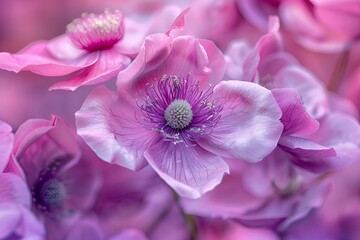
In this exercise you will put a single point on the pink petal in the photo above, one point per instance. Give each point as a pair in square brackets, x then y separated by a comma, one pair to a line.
[308, 87]
[256, 12]
[190, 171]
[14, 189]
[6, 144]
[250, 125]
[227, 200]
[296, 120]
[115, 134]
[10, 218]
[107, 67]
[39, 142]
[161, 54]
[36, 58]
[62, 48]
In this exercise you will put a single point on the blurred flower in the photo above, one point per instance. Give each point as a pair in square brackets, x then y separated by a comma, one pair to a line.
[320, 25]
[61, 178]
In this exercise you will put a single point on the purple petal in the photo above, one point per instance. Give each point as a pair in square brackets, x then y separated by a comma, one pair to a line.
[86, 229]
[10, 218]
[111, 127]
[6, 144]
[308, 87]
[107, 67]
[38, 142]
[250, 125]
[14, 189]
[336, 144]
[296, 120]
[190, 171]
[161, 54]
[130, 234]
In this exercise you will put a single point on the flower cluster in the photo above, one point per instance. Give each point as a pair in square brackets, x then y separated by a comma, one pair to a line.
[203, 119]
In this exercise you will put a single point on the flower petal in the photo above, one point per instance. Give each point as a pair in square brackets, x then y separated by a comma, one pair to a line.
[6, 144]
[36, 58]
[309, 88]
[296, 121]
[161, 54]
[190, 171]
[108, 66]
[250, 125]
[13, 189]
[111, 127]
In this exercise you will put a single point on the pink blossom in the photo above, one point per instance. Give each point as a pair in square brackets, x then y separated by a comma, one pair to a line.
[58, 172]
[6, 144]
[164, 115]
[91, 44]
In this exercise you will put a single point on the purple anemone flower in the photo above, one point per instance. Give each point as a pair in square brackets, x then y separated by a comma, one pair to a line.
[166, 114]
[59, 174]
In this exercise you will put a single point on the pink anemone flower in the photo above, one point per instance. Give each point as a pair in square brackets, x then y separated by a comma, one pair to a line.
[93, 48]
[166, 114]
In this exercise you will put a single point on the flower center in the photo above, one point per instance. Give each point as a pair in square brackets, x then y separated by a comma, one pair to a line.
[175, 107]
[52, 193]
[178, 114]
[96, 31]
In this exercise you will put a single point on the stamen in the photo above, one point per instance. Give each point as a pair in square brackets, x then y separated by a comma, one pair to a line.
[175, 108]
[96, 31]
[178, 114]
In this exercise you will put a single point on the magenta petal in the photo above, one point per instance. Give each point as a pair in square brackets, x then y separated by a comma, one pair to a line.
[6, 144]
[111, 127]
[36, 58]
[308, 87]
[108, 66]
[250, 126]
[190, 171]
[296, 120]
[13, 189]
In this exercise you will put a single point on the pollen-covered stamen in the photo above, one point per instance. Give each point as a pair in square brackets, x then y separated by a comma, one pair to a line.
[175, 107]
[49, 191]
[178, 114]
[96, 31]
[52, 193]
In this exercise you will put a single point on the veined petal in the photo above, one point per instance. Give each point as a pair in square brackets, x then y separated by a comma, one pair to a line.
[250, 127]
[111, 127]
[190, 171]
[108, 66]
